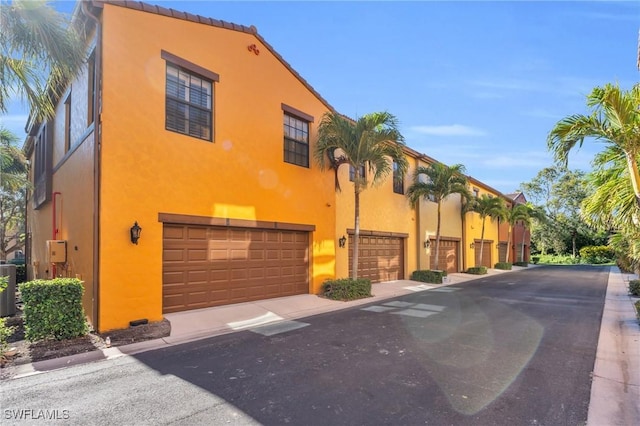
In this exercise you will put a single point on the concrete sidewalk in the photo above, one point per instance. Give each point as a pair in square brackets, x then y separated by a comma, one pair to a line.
[615, 391]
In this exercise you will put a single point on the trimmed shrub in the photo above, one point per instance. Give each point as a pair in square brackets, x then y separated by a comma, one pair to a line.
[597, 254]
[347, 289]
[429, 276]
[535, 259]
[5, 331]
[637, 305]
[634, 287]
[53, 309]
[503, 265]
[477, 270]
[521, 264]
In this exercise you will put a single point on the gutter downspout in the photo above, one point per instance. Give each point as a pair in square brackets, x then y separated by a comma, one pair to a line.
[96, 165]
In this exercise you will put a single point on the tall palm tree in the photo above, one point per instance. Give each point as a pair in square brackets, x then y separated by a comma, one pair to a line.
[372, 141]
[531, 213]
[441, 181]
[486, 206]
[518, 212]
[40, 52]
[13, 185]
[615, 120]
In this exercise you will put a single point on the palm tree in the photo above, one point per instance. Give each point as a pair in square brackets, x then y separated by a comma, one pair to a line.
[530, 214]
[36, 42]
[487, 206]
[372, 141]
[615, 120]
[13, 185]
[441, 181]
[512, 216]
[13, 164]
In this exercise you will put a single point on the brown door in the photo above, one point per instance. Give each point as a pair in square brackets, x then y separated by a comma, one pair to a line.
[381, 258]
[205, 266]
[502, 253]
[447, 257]
[486, 254]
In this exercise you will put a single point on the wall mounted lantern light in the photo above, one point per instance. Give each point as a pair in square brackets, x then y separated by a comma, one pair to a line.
[135, 233]
[427, 243]
[472, 245]
[342, 241]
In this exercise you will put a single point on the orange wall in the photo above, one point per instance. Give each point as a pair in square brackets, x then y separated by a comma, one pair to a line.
[241, 174]
[473, 228]
[382, 210]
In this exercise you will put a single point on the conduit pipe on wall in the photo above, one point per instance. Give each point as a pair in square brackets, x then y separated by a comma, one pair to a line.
[54, 223]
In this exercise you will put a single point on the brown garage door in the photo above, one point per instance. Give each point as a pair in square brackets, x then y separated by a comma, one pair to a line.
[205, 266]
[502, 253]
[486, 254]
[447, 257]
[381, 258]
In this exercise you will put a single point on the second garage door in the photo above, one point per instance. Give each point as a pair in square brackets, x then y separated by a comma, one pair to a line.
[447, 256]
[486, 253]
[381, 258]
[206, 266]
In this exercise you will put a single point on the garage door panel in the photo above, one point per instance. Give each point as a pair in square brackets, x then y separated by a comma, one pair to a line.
[211, 266]
[381, 258]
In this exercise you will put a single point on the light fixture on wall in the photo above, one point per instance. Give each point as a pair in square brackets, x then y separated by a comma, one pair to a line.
[342, 241]
[427, 243]
[472, 245]
[135, 233]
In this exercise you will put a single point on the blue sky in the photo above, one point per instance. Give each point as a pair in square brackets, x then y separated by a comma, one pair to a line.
[477, 83]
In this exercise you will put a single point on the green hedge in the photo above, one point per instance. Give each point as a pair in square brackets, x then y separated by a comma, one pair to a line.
[477, 270]
[5, 331]
[535, 259]
[521, 264]
[597, 254]
[53, 309]
[503, 265]
[347, 289]
[634, 287]
[429, 276]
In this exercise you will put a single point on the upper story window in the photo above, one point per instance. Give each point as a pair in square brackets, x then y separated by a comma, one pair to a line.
[398, 179]
[476, 192]
[296, 136]
[352, 172]
[67, 123]
[42, 173]
[91, 87]
[189, 98]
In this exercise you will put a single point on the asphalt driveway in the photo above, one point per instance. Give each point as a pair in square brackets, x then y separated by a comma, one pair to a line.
[510, 349]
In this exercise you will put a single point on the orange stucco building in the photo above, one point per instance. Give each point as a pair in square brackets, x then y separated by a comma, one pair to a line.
[201, 134]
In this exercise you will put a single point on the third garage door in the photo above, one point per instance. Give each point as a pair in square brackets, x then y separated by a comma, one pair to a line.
[381, 258]
[206, 266]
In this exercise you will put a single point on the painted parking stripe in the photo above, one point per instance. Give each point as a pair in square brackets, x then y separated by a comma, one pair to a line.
[279, 327]
[418, 313]
[421, 287]
[377, 308]
[446, 289]
[426, 307]
[398, 304]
